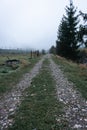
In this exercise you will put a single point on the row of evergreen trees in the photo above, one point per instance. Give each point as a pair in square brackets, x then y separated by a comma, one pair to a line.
[70, 34]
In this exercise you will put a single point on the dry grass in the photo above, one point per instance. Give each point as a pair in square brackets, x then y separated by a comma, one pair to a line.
[24, 63]
[83, 66]
[77, 73]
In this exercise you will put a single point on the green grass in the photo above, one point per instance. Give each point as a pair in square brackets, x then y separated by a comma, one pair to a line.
[75, 73]
[10, 76]
[41, 110]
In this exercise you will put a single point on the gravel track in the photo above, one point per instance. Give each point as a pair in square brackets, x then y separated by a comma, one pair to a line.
[75, 106]
[10, 102]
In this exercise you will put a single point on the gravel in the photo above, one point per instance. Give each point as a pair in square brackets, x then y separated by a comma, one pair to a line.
[10, 101]
[75, 106]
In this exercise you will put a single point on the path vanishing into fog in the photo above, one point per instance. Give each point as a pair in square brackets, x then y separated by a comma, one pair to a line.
[75, 107]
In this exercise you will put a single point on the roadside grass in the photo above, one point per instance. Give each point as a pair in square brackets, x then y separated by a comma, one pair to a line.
[4, 57]
[10, 78]
[77, 73]
[40, 110]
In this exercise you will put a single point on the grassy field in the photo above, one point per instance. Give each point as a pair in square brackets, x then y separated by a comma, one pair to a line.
[41, 110]
[4, 57]
[77, 73]
[10, 76]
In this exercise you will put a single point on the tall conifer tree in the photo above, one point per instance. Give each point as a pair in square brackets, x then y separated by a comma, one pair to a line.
[67, 34]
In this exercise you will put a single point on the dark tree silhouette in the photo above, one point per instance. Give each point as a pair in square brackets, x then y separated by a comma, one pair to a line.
[67, 42]
[52, 50]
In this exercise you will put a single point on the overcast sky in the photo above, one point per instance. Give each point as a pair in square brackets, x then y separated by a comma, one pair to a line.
[32, 23]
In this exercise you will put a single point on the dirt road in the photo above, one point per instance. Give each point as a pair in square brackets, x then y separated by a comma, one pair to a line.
[75, 106]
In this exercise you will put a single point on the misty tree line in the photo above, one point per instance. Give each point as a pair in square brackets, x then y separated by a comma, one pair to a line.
[22, 51]
[70, 35]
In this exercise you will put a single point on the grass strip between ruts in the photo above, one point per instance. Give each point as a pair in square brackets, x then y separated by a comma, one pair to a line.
[40, 109]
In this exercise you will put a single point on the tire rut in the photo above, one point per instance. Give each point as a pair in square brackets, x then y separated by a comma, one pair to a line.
[75, 106]
[11, 101]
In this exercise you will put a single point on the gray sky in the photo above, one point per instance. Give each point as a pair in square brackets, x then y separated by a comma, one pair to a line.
[32, 23]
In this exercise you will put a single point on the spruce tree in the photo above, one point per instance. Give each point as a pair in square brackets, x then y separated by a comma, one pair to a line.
[52, 50]
[67, 34]
[61, 44]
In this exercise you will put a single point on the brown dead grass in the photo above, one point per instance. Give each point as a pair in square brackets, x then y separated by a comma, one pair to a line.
[83, 66]
[24, 63]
